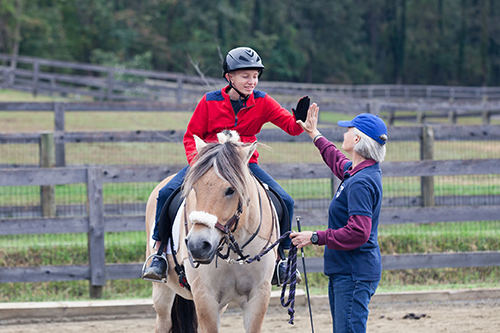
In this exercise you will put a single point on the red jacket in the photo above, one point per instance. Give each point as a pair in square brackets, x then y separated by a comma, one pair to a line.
[214, 114]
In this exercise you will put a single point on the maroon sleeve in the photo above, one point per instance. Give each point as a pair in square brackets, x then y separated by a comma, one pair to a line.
[332, 156]
[353, 235]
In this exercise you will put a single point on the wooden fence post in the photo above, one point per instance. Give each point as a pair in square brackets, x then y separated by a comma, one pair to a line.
[486, 117]
[52, 86]
[452, 116]
[427, 153]
[392, 116]
[180, 83]
[5, 78]
[59, 124]
[373, 107]
[12, 71]
[36, 69]
[47, 160]
[96, 232]
[420, 115]
[110, 83]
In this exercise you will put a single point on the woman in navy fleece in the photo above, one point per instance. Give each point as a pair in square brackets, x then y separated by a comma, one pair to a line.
[352, 258]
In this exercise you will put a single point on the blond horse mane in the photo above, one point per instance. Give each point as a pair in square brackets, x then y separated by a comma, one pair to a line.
[226, 160]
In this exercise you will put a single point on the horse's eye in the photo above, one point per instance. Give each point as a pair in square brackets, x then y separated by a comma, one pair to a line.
[229, 191]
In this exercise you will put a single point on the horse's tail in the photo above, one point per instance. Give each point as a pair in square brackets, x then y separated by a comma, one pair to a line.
[183, 316]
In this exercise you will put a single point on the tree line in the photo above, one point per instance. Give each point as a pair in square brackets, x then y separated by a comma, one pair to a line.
[433, 42]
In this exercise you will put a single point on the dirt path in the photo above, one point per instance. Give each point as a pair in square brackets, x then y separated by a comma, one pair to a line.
[458, 316]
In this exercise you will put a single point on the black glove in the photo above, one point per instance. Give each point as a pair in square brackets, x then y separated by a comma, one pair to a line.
[300, 111]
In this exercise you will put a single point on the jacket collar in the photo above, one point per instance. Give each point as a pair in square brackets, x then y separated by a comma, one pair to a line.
[248, 103]
[366, 163]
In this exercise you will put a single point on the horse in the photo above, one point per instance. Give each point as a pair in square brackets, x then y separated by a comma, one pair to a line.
[226, 214]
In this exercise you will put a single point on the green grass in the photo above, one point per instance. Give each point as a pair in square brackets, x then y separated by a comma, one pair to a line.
[7, 95]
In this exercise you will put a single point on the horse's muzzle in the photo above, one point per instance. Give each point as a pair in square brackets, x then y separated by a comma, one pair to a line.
[202, 251]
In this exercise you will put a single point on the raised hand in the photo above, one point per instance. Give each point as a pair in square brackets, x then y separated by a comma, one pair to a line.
[311, 123]
[300, 111]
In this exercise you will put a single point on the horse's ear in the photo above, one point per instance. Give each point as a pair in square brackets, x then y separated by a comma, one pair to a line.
[247, 151]
[199, 143]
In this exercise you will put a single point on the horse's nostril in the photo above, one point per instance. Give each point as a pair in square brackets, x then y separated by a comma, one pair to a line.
[206, 246]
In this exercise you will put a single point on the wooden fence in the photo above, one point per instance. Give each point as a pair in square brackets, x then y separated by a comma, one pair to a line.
[387, 110]
[97, 221]
[38, 75]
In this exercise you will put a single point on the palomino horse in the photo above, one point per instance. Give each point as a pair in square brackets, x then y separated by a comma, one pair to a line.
[226, 214]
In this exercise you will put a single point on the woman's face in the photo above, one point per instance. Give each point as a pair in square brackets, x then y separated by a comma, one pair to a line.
[350, 139]
[244, 80]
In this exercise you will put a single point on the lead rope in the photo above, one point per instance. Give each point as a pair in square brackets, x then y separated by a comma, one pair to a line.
[290, 274]
[290, 278]
[266, 251]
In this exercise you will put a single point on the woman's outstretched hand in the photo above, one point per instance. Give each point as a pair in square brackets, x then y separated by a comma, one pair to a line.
[311, 123]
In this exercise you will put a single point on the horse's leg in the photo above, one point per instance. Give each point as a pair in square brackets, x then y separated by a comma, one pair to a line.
[255, 309]
[163, 298]
[207, 309]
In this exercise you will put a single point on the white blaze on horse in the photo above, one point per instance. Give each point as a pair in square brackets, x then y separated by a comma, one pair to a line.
[226, 217]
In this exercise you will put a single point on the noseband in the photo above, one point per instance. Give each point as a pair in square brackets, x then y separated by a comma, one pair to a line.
[233, 221]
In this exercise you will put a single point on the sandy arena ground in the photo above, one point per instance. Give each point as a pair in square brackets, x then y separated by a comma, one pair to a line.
[451, 316]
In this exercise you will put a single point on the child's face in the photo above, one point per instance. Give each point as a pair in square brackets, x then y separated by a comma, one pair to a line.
[244, 80]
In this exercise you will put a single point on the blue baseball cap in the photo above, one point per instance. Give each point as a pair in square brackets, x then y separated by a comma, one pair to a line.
[370, 124]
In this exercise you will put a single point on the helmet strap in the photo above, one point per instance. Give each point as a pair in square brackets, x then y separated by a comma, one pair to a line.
[242, 96]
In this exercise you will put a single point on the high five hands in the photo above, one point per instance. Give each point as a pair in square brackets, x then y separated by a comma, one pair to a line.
[310, 122]
[300, 110]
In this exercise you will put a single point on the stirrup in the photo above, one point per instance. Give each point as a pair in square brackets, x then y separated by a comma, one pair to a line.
[277, 273]
[144, 266]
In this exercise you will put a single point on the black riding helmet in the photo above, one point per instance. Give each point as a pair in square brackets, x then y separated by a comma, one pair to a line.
[241, 58]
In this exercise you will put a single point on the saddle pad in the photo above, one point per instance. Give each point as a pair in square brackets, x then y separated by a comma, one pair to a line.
[175, 230]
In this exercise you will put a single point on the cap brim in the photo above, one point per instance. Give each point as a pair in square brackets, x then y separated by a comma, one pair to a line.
[345, 123]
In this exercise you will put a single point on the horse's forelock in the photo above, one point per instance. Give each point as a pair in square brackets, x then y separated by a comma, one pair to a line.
[227, 163]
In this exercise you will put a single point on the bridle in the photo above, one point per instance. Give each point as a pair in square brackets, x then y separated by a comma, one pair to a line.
[233, 221]
[228, 240]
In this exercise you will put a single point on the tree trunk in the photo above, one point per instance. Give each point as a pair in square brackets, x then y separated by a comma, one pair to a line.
[257, 17]
[17, 39]
[485, 9]
[461, 47]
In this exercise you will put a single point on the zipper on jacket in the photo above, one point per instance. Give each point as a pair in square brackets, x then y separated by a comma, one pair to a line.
[236, 116]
